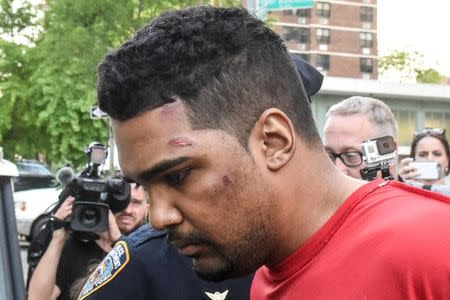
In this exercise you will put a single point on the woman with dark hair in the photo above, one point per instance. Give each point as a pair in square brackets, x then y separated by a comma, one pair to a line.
[429, 144]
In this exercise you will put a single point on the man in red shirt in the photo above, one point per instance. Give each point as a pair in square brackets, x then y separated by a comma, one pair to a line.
[211, 117]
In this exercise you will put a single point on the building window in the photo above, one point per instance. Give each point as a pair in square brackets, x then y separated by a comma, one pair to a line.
[366, 65]
[323, 10]
[406, 120]
[323, 62]
[304, 13]
[323, 35]
[366, 14]
[366, 39]
[296, 34]
[437, 119]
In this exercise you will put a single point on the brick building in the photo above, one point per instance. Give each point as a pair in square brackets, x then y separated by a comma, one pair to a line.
[338, 37]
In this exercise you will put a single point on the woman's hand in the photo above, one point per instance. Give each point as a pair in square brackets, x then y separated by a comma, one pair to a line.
[407, 171]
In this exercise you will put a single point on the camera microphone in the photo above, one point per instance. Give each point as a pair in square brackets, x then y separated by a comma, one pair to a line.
[65, 176]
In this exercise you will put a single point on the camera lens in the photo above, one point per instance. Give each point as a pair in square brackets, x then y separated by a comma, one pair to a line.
[89, 218]
[385, 145]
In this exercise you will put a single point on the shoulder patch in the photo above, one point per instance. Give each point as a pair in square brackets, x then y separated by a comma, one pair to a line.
[110, 266]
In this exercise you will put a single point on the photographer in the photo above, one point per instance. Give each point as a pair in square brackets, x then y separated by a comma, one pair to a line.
[429, 161]
[370, 118]
[68, 258]
[82, 228]
[349, 123]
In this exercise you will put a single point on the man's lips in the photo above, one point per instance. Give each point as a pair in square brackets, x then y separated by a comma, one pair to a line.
[187, 248]
[125, 218]
[190, 250]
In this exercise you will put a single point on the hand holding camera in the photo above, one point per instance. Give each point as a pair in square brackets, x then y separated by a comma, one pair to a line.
[420, 170]
[94, 196]
[58, 222]
[378, 154]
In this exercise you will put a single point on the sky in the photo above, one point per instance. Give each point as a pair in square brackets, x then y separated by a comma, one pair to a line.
[416, 25]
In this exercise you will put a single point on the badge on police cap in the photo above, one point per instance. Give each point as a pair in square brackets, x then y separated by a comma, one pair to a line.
[110, 266]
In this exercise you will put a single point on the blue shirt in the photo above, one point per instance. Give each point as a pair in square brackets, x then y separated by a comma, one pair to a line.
[145, 266]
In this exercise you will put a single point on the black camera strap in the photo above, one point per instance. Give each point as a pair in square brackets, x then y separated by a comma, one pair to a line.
[56, 223]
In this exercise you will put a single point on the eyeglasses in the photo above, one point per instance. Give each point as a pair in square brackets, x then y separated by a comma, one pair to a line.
[349, 158]
[435, 131]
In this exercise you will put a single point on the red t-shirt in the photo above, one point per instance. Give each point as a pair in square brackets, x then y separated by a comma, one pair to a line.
[387, 241]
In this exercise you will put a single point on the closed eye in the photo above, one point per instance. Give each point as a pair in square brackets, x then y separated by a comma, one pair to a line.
[177, 178]
[422, 154]
[437, 153]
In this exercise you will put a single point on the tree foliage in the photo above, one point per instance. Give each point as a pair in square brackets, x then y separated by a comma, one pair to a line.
[411, 66]
[430, 76]
[14, 72]
[15, 18]
[48, 86]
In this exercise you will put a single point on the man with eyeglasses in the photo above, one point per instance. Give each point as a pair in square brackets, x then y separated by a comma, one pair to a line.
[348, 124]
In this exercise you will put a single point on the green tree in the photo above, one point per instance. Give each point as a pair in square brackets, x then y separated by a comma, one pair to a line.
[430, 76]
[15, 21]
[405, 62]
[411, 66]
[15, 18]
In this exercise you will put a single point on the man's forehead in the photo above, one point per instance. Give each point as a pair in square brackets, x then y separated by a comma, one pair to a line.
[354, 124]
[346, 132]
[151, 136]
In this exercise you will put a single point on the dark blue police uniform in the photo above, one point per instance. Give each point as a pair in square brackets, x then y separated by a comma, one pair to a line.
[145, 266]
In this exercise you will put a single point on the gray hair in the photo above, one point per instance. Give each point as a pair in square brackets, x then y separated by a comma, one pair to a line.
[378, 112]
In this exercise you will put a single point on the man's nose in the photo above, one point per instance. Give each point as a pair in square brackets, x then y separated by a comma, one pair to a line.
[163, 214]
[128, 208]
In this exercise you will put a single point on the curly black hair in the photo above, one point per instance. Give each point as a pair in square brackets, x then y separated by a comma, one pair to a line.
[225, 65]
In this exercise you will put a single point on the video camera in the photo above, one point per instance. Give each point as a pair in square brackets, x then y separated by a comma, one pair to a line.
[93, 194]
[378, 154]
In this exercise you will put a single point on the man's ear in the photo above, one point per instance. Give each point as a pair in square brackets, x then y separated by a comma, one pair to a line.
[274, 137]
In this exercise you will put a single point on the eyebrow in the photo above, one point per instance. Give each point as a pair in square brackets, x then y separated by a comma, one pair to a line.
[347, 149]
[160, 168]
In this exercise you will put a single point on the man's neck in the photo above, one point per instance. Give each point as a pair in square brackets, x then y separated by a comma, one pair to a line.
[312, 202]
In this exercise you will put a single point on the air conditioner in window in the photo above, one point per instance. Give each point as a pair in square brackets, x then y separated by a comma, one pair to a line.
[323, 47]
[323, 21]
[366, 25]
[301, 20]
[366, 51]
[365, 76]
[301, 46]
[367, 1]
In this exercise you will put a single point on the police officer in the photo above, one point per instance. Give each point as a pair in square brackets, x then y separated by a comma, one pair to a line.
[145, 266]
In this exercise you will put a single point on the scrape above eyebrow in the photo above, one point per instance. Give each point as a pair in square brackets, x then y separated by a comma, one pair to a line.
[180, 142]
